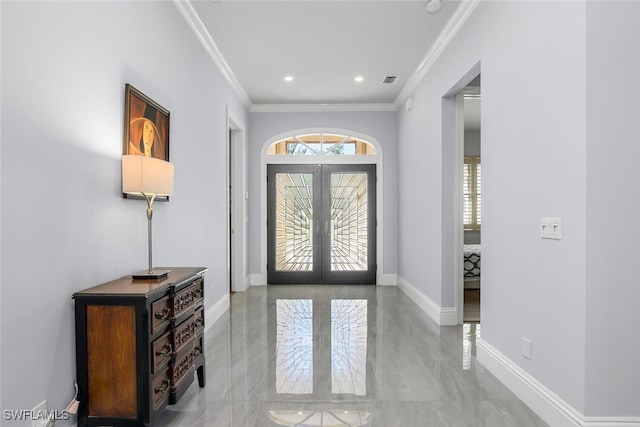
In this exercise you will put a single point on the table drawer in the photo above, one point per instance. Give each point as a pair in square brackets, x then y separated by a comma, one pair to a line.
[184, 300]
[199, 290]
[198, 348]
[162, 350]
[161, 314]
[161, 388]
[182, 368]
[171, 307]
[199, 320]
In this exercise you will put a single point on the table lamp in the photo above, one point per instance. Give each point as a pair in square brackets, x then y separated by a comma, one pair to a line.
[149, 177]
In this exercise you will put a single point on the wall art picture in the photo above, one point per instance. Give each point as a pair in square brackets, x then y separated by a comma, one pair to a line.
[146, 126]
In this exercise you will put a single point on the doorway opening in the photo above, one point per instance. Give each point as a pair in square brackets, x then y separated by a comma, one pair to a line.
[236, 205]
[472, 201]
[454, 196]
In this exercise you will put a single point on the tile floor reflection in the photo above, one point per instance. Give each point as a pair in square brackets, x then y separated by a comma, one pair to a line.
[342, 356]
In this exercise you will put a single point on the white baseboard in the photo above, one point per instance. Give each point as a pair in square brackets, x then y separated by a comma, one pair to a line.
[611, 422]
[448, 316]
[550, 407]
[216, 311]
[241, 287]
[388, 280]
[443, 316]
[257, 280]
[246, 283]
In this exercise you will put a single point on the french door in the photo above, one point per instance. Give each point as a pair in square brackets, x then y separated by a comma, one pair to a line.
[321, 224]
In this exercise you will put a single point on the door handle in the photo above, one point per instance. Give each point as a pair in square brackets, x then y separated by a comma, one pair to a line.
[326, 227]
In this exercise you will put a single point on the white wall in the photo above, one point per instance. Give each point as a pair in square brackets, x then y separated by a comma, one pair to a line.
[532, 61]
[379, 125]
[613, 207]
[560, 106]
[65, 226]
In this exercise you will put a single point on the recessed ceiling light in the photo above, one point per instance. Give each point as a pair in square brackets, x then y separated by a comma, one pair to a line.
[434, 6]
[288, 78]
[359, 79]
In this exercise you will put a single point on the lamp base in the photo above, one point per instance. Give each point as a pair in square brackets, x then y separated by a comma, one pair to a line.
[153, 275]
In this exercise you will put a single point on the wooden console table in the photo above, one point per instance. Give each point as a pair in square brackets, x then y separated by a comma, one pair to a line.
[138, 344]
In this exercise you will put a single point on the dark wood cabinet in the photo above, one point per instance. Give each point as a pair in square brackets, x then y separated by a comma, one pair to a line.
[139, 344]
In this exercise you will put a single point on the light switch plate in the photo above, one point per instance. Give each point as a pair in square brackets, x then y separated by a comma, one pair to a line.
[551, 228]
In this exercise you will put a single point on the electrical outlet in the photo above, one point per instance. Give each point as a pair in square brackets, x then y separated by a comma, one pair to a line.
[526, 347]
[551, 228]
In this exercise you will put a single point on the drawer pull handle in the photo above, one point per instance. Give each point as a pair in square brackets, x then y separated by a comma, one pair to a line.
[164, 352]
[166, 384]
[165, 314]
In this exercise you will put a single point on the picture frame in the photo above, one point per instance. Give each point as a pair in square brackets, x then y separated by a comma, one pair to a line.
[146, 128]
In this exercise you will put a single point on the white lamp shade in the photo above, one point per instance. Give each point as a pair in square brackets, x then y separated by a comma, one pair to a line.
[142, 174]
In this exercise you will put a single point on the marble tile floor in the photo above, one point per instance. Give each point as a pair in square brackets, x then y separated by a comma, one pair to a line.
[342, 356]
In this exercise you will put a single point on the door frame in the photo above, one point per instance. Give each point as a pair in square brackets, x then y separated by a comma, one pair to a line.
[376, 159]
[452, 198]
[236, 178]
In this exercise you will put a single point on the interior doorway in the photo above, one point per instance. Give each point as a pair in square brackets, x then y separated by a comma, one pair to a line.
[236, 205]
[471, 193]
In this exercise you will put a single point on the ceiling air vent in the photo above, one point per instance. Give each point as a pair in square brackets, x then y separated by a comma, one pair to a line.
[389, 80]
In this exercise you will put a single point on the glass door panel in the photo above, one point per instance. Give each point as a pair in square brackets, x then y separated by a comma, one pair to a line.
[321, 224]
[349, 231]
[294, 222]
[349, 219]
[293, 227]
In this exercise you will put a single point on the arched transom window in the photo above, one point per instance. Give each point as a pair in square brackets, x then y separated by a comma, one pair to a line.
[321, 144]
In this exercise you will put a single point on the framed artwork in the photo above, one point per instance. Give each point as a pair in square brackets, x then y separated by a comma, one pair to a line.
[146, 129]
[146, 126]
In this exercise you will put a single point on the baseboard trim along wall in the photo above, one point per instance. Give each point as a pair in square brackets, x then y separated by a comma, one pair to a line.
[550, 407]
[216, 311]
[388, 280]
[257, 280]
[385, 280]
[444, 316]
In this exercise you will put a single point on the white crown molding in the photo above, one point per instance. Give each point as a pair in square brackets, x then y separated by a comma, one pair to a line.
[448, 32]
[297, 108]
[189, 14]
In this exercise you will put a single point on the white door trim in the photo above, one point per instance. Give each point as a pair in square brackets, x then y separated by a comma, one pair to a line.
[459, 206]
[236, 156]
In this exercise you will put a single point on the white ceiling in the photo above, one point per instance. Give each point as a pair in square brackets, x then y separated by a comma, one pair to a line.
[323, 45]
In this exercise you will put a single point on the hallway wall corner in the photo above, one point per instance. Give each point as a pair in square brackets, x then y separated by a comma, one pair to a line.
[443, 316]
